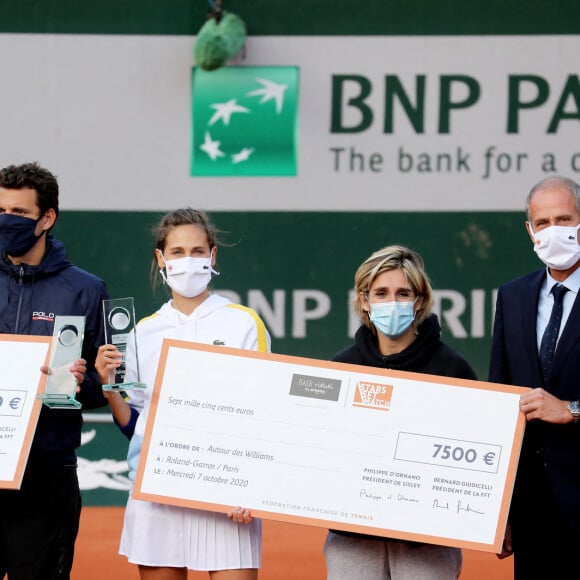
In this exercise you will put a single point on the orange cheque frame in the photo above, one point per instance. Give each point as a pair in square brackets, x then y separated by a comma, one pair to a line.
[396, 454]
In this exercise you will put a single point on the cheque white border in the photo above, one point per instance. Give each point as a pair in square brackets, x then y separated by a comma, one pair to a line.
[346, 447]
[21, 357]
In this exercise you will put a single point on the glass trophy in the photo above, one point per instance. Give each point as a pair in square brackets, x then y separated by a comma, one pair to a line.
[66, 347]
[119, 316]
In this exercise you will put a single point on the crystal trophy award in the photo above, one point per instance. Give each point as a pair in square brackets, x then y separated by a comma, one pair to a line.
[119, 316]
[66, 347]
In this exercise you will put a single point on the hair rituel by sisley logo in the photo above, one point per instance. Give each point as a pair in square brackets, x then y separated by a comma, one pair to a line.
[244, 122]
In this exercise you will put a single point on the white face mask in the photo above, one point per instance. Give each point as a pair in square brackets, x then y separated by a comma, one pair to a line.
[188, 277]
[557, 246]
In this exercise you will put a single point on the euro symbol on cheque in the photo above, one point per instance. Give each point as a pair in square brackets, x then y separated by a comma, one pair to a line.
[489, 457]
[15, 403]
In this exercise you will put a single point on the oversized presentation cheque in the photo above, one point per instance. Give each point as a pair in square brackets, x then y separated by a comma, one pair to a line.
[346, 447]
[21, 357]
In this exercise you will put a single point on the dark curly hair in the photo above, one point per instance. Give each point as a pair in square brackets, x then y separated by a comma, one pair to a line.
[33, 176]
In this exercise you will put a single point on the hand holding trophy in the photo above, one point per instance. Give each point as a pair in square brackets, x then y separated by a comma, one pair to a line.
[119, 317]
[65, 349]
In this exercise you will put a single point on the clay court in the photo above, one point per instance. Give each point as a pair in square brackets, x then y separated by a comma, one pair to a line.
[290, 551]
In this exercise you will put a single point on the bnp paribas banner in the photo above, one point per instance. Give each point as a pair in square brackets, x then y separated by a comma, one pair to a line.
[309, 152]
[422, 123]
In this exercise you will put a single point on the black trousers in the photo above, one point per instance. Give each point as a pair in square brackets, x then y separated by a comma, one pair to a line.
[39, 525]
[545, 545]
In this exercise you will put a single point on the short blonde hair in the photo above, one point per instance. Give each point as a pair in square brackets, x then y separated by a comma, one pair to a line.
[385, 260]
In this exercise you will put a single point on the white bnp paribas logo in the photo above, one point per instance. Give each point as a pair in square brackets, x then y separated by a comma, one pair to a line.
[244, 122]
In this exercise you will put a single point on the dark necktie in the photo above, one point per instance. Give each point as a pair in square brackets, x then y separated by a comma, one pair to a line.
[550, 337]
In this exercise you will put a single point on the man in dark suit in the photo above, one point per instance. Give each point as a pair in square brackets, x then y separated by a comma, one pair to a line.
[536, 343]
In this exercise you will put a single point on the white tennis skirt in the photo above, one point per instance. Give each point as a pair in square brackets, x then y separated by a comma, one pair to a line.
[162, 535]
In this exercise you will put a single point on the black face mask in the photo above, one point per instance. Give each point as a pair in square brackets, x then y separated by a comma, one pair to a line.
[17, 234]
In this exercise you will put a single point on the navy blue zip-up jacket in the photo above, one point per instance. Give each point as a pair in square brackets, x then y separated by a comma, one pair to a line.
[30, 298]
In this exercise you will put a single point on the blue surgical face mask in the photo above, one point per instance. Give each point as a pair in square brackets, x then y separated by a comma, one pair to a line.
[392, 318]
[17, 234]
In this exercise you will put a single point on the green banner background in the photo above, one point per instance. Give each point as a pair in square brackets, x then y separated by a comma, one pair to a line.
[308, 17]
[291, 251]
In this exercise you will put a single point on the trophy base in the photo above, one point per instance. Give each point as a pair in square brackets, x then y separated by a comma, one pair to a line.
[124, 386]
[60, 401]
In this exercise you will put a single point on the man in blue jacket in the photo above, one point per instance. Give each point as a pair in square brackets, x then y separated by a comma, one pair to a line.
[536, 343]
[39, 522]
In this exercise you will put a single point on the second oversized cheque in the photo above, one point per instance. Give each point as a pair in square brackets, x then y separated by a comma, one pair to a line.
[397, 454]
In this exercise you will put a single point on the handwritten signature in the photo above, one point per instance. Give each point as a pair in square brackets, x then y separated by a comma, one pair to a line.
[467, 508]
[364, 493]
[461, 507]
[440, 505]
[401, 497]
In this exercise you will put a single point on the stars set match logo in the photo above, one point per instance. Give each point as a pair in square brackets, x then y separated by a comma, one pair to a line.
[244, 122]
[373, 395]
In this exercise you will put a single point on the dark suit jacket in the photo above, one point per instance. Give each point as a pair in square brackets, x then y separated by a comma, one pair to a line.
[515, 361]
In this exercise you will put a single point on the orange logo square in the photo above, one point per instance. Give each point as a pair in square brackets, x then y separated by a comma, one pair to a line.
[373, 396]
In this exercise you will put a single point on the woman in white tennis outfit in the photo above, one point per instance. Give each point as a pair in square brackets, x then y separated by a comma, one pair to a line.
[165, 541]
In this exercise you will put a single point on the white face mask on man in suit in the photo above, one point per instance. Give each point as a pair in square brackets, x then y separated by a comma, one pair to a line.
[557, 246]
